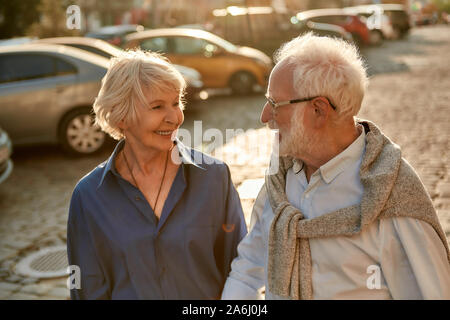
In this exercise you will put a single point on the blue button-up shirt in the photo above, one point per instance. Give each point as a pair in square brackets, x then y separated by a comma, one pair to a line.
[124, 252]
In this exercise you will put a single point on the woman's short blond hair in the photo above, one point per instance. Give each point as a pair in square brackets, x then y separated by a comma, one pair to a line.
[123, 86]
[327, 67]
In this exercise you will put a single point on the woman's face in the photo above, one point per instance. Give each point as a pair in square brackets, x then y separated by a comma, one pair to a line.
[157, 122]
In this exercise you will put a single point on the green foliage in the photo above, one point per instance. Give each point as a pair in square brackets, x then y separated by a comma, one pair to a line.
[17, 16]
[52, 21]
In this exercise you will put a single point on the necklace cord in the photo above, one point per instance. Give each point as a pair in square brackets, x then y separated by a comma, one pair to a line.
[135, 182]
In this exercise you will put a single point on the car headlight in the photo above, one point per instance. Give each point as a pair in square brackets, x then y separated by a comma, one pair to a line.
[262, 63]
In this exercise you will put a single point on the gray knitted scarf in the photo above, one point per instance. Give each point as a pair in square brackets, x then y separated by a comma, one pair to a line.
[391, 189]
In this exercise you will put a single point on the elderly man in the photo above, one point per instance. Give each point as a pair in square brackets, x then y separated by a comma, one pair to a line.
[345, 216]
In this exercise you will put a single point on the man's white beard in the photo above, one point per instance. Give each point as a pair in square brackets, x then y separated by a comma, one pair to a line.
[298, 142]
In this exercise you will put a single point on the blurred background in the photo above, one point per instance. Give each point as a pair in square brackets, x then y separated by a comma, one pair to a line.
[54, 53]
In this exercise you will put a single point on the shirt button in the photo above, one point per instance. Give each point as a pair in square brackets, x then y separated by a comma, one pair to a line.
[137, 198]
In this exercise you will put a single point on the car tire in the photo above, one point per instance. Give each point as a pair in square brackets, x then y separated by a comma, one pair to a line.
[242, 83]
[78, 135]
[397, 33]
[376, 38]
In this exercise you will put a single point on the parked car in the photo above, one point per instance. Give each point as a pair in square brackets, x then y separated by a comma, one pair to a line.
[396, 13]
[350, 22]
[103, 48]
[6, 164]
[15, 41]
[400, 19]
[115, 34]
[46, 96]
[221, 63]
[378, 23]
[265, 28]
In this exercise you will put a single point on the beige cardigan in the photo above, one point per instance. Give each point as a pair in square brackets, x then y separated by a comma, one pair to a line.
[391, 189]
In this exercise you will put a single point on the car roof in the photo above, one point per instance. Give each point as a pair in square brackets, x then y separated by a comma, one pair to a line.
[92, 42]
[371, 7]
[164, 32]
[55, 48]
[328, 26]
[392, 6]
[117, 28]
[302, 15]
[239, 11]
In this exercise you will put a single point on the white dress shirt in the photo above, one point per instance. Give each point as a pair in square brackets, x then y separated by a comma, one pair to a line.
[394, 258]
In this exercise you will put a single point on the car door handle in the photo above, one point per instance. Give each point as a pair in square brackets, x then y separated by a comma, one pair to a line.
[60, 89]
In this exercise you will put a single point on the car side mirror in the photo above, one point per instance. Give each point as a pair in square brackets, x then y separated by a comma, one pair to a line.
[212, 50]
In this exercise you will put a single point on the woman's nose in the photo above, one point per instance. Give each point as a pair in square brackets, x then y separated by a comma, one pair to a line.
[266, 114]
[172, 116]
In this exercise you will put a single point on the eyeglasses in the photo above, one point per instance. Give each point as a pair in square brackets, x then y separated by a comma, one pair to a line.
[276, 105]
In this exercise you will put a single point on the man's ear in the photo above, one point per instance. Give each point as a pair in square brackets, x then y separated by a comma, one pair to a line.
[321, 111]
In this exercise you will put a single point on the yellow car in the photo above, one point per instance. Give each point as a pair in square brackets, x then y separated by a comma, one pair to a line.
[221, 63]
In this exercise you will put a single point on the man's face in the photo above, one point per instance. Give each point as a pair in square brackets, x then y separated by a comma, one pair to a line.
[288, 119]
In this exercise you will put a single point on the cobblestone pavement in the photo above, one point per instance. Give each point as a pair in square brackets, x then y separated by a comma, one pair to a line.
[408, 98]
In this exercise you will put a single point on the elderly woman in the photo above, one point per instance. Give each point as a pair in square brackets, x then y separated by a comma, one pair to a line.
[150, 223]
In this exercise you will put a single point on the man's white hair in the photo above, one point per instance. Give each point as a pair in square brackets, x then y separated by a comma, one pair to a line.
[328, 67]
[123, 86]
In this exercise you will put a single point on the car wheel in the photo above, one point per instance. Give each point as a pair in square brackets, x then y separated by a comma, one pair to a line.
[376, 38]
[78, 134]
[242, 83]
[397, 33]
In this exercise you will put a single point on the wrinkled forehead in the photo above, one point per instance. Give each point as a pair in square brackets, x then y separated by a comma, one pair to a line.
[281, 81]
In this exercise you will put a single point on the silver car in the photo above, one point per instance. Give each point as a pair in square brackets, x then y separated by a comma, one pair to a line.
[46, 96]
[6, 164]
[103, 48]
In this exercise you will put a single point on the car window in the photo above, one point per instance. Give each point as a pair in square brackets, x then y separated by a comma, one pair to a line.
[91, 49]
[158, 44]
[187, 45]
[16, 67]
[63, 67]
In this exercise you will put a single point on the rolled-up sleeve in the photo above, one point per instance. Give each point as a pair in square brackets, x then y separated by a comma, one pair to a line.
[246, 279]
[81, 253]
[414, 260]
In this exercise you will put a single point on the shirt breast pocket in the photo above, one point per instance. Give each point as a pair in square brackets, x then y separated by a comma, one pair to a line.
[199, 240]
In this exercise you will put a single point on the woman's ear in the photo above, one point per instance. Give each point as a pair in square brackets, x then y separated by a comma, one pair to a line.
[122, 124]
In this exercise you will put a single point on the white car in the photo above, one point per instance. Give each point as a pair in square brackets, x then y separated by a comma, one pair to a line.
[377, 22]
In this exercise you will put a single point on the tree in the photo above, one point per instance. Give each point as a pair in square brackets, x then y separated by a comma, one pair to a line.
[52, 21]
[443, 5]
[17, 16]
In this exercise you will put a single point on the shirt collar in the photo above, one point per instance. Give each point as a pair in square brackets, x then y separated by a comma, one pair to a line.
[352, 154]
[186, 156]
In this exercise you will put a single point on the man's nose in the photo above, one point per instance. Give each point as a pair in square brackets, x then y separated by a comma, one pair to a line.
[266, 114]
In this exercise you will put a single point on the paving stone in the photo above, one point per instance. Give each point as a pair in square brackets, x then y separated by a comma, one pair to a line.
[35, 289]
[14, 278]
[22, 296]
[7, 253]
[4, 295]
[18, 244]
[444, 190]
[26, 281]
[7, 286]
[59, 293]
